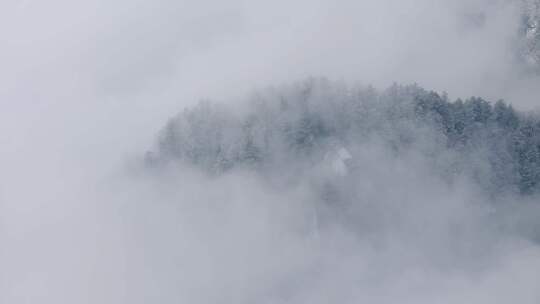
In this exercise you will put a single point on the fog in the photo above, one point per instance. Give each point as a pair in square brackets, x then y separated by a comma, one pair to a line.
[86, 86]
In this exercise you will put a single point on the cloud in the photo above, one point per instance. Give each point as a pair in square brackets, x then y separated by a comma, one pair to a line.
[85, 85]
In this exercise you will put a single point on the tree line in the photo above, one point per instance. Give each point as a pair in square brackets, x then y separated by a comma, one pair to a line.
[491, 143]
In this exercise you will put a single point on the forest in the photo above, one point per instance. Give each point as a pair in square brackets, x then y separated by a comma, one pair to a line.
[290, 129]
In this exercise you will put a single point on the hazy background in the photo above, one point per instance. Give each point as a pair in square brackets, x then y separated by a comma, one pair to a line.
[86, 85]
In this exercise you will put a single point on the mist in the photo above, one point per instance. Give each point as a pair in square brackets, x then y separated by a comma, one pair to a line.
[87, 88]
